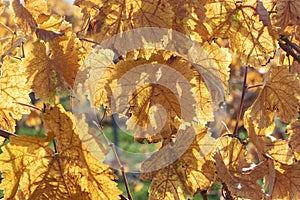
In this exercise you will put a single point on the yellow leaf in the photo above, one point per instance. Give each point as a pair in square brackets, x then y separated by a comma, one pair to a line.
[184, 177]
[239, 22]
[32, 170]
[54, 70]
[277, 98]
[279, 150]
[14, 89]
[109, 18]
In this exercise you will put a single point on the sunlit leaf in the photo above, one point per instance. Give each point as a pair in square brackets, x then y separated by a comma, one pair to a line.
[277, 98]
[239, 22]
[14, 89]
[183, 178]
[32, 170]
[56, 69]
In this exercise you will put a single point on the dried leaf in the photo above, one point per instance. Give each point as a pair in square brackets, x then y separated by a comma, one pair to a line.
[240, 184]
[23, 17]
[287, 182]
[263, 13]
[287, 13]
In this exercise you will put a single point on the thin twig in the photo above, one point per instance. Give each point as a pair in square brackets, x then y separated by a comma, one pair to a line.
[291, 44]
[254, 86]
[30, 106]
[238, 117]
[6, 134]
[289, 51]
[204, 195]
[227, 129]
[117, 159]
[87, 40]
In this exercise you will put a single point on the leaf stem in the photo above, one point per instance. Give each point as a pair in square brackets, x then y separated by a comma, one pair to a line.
[121, 167]
[238, 117]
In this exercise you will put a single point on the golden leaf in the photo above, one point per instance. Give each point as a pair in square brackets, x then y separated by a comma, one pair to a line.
[294, 138]
[278, 97]
[32, 170]
[150, 77]
[109, 18]
[37, 8]
[239, 22]
[279, 150]
[14, 89]
[184, 177]
[54, 70]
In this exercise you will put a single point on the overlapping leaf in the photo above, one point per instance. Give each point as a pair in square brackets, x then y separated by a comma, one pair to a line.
[56, 69]
[109, 18]
[31, 169]
[294, 141]
[183, 178]
[277, 98]
[136, 85]
[14, 89]
[249, 37]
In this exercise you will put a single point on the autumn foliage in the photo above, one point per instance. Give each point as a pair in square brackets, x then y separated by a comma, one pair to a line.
[239, 92]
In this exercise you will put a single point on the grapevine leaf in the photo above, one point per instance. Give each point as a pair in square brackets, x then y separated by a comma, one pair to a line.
[239, 22]
[287, 182]
[279, 150]
[294, 138]
[287, 13]
[31, 169]
[23, 17]
[183, 178]
[240, 184]
[56, 69]
[278, 97]
[109, 18]
[14, 89]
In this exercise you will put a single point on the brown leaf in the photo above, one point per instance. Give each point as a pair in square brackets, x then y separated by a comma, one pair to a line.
[240, 184]
[287, 13]
[294, 138]
[263, 13]
[23, 18]
[287, 182]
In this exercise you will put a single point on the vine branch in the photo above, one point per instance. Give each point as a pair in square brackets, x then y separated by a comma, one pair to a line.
[238, 117]
[121, 167]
